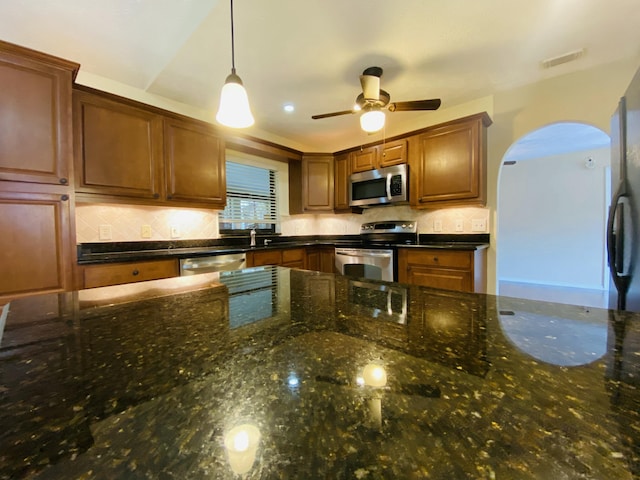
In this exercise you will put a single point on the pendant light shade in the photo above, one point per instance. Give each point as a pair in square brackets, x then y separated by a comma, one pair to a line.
[372, 120]
[234, 110]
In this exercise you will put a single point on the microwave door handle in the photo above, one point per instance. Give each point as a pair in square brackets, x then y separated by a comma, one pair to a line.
[389, 186]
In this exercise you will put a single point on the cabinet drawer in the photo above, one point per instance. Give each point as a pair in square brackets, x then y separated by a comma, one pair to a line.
[115, 274]
[441, 258]
[293, 255]
[268, 257]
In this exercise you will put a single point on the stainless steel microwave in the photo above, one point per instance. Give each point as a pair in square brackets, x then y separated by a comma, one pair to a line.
[379, 187]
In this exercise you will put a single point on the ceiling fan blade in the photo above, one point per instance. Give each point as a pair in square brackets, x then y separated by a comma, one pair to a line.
[432, 104]
[370, 86]
[332, 114]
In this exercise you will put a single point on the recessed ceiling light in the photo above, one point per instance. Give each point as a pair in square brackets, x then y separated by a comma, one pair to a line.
[288, 107]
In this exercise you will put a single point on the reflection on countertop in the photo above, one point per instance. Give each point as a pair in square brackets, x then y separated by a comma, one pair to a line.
[270, 372]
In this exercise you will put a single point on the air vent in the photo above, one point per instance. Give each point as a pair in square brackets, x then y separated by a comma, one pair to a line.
[564, 58]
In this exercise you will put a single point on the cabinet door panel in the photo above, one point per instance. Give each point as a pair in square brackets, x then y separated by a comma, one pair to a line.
[365, 159]
[341, 182]
[267, 257]
[317, 174]
[393, 153]
[35, 244]
[446, 279]
[35, 121]
[194, 163]
[118, 148]
[448, 164]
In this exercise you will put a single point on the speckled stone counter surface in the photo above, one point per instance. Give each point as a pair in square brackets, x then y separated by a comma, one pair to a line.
[273, 373]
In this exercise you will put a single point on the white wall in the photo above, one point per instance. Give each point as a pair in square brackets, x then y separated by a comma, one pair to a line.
[589, 96]
[551, 217]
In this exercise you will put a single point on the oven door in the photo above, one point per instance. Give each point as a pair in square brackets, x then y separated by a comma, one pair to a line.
[371, 263]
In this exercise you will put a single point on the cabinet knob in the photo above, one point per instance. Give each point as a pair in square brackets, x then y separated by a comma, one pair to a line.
[64, 181]
[169, 197]
[135, 272]
[435, 259]
[64, 198]
[156, 195]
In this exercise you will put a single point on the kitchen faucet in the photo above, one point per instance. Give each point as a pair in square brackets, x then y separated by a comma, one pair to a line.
[266, 242]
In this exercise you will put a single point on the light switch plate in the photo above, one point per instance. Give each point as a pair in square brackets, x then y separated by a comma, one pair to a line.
[437, 225]
[104, 232]
[145, 231]
[175, 231]
[459, 225]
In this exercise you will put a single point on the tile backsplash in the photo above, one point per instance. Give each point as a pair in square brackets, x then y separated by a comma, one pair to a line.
[113, 223]
[128, 223]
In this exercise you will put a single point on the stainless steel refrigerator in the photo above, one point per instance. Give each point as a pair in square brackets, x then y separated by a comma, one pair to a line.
[623, 241]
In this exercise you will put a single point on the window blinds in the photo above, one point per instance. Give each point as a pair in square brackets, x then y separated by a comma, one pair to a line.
[251, 198]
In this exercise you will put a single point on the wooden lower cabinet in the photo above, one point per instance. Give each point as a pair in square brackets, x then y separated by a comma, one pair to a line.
[130, 272]
[292, 258]
[461, 270]
[321, 259]
[36, 241]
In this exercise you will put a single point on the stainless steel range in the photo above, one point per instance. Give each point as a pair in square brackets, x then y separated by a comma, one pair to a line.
[376, 258]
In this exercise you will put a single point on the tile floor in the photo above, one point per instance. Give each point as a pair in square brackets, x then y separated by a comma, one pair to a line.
[574, 296]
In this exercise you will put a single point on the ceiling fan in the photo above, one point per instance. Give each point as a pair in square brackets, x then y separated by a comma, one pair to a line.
[372, 100]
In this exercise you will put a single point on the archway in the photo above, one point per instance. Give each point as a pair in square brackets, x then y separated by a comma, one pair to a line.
[553, 197]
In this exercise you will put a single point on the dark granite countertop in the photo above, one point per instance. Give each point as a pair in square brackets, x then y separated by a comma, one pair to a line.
[107, 252]
[293, 374]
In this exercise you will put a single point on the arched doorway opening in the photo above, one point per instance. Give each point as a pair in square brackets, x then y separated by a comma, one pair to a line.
[553, 197]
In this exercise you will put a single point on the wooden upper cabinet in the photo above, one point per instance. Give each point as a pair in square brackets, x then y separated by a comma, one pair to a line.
[126, 151]
[194, 163]
[364, 159]
[393, 153]
[311, 184]
[35, 116]
[379, 156]
[317, 174]
[449, 164]
[341, 182]
[118, 148]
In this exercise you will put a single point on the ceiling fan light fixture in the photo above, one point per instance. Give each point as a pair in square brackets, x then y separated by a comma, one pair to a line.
[234, 110]
[372, 120]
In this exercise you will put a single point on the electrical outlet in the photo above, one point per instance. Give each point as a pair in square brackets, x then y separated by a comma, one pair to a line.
[478, 225]
[175, 231]
[459, 225]
[145, 231]
[437, 225]
[104, 232]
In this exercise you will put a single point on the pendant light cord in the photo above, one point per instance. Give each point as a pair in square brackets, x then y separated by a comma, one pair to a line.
[233, 51]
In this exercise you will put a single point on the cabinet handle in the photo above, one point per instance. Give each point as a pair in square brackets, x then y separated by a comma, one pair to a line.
[156, 195]
[135, 272]
[169, 197]
[64, 181]
[64, 198]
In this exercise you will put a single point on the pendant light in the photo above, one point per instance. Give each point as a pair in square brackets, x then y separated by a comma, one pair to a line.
[234, 110]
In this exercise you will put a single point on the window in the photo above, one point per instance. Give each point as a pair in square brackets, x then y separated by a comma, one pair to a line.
[251, 200]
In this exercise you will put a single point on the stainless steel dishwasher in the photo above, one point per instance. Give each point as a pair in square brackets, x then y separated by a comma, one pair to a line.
[213, 263]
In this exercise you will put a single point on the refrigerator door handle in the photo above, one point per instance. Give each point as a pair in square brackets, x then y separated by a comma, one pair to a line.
[615, 241]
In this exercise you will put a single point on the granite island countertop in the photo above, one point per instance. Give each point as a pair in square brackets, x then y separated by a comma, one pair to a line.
[277, 373]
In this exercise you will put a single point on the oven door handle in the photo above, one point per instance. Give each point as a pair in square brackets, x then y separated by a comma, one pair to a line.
[364, 255]
[389, 187]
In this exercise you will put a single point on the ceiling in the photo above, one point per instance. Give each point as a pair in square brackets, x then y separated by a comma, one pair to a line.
[310, 53]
